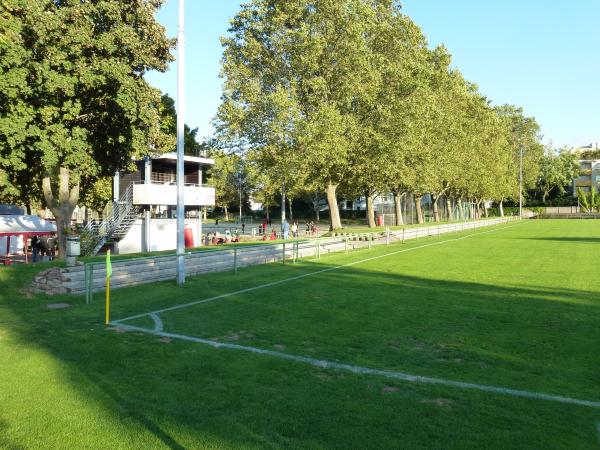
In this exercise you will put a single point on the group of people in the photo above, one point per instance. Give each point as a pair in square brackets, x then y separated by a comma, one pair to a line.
[42, 246]
[312, 228]
[286, 230]
[218, 238]
[263, 227]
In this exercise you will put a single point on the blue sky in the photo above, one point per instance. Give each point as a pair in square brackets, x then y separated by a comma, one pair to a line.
[541, 55]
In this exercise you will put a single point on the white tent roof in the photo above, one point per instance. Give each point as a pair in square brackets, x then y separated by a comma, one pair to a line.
[16, 225]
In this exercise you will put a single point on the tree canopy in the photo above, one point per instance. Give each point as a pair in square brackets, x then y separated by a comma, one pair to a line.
[347, 94]
[74, 103]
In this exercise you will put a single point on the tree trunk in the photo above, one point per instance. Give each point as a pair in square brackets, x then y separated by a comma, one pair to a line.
[449, 208]
[544, 195]
[28, 209]
[316, 205]
[267, 206]
[485, 210]
[226, 214]
[501, 208]
[419, 209]
[63, 206]
[436, 211]
[290, 206]
[334, 210]
[370, 210]
[205, 212]
[398, 208]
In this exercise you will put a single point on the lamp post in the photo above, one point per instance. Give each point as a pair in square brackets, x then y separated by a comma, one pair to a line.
[240, 181]
[180, 146]
[521, 182]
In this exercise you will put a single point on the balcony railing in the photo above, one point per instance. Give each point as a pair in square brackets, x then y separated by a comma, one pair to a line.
[160, 177]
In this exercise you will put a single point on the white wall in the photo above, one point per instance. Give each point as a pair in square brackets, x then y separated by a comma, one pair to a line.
[134, 239]
[163, 235]
[16, 244]
[166, 194]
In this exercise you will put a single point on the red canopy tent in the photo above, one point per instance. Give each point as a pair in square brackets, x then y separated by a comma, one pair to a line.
[24, 227]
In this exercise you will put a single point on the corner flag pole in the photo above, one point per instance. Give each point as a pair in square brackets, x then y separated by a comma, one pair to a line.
[108, 275]
[180, 146]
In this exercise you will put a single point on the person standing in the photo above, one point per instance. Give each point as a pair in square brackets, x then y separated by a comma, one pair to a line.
[295, 230]
[45, 247]
[35, 248]
[285, 227]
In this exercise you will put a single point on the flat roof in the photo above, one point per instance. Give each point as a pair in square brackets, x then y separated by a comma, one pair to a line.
[196, 159]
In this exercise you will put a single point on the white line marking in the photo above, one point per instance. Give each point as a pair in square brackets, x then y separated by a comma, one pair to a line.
[325, 364]
[298, 277]
[158, 325]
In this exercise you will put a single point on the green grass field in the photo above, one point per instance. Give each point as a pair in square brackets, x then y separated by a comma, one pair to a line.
[514, 306]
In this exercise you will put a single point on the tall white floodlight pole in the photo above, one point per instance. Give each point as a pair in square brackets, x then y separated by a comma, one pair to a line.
[180, 141]
[520, 182]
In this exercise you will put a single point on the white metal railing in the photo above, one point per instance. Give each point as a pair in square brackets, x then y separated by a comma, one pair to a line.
[221, 258]
[96, 233]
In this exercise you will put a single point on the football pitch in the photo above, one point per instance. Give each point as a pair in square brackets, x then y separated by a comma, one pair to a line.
[481, 338]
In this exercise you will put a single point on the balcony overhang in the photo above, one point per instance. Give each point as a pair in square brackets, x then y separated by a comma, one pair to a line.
[166, 194]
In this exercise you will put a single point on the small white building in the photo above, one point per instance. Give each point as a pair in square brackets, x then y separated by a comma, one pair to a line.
[142, 217]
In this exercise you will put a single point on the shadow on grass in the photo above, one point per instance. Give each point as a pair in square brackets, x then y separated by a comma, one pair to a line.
[190, 396]
[578, 239]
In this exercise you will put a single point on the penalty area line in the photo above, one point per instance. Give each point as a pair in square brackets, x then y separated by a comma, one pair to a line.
[325, 364]
[305, 275]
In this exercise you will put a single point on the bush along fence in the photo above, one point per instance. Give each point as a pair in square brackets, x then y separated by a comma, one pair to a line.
[90, 277]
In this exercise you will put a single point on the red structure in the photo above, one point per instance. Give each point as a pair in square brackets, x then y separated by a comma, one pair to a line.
[13, 227]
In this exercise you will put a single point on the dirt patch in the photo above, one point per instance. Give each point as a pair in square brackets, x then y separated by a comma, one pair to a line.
[60, 305]
[279, 346]
[165, 339]
[118, 330]
[237, 335]
[440, 401]
[390, 389]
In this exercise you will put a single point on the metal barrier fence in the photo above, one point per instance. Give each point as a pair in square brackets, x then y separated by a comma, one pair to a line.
[129, 272]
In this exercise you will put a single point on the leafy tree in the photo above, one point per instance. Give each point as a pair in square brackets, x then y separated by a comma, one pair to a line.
[524, 136]
[557, 170]
[294, 74]
[168, 125]
[75, 105]
[589, 202]
[98, 194]
[330, 95]
[223, 176]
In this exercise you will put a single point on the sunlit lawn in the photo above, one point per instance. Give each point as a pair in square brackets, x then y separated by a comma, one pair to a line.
[517, 307]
